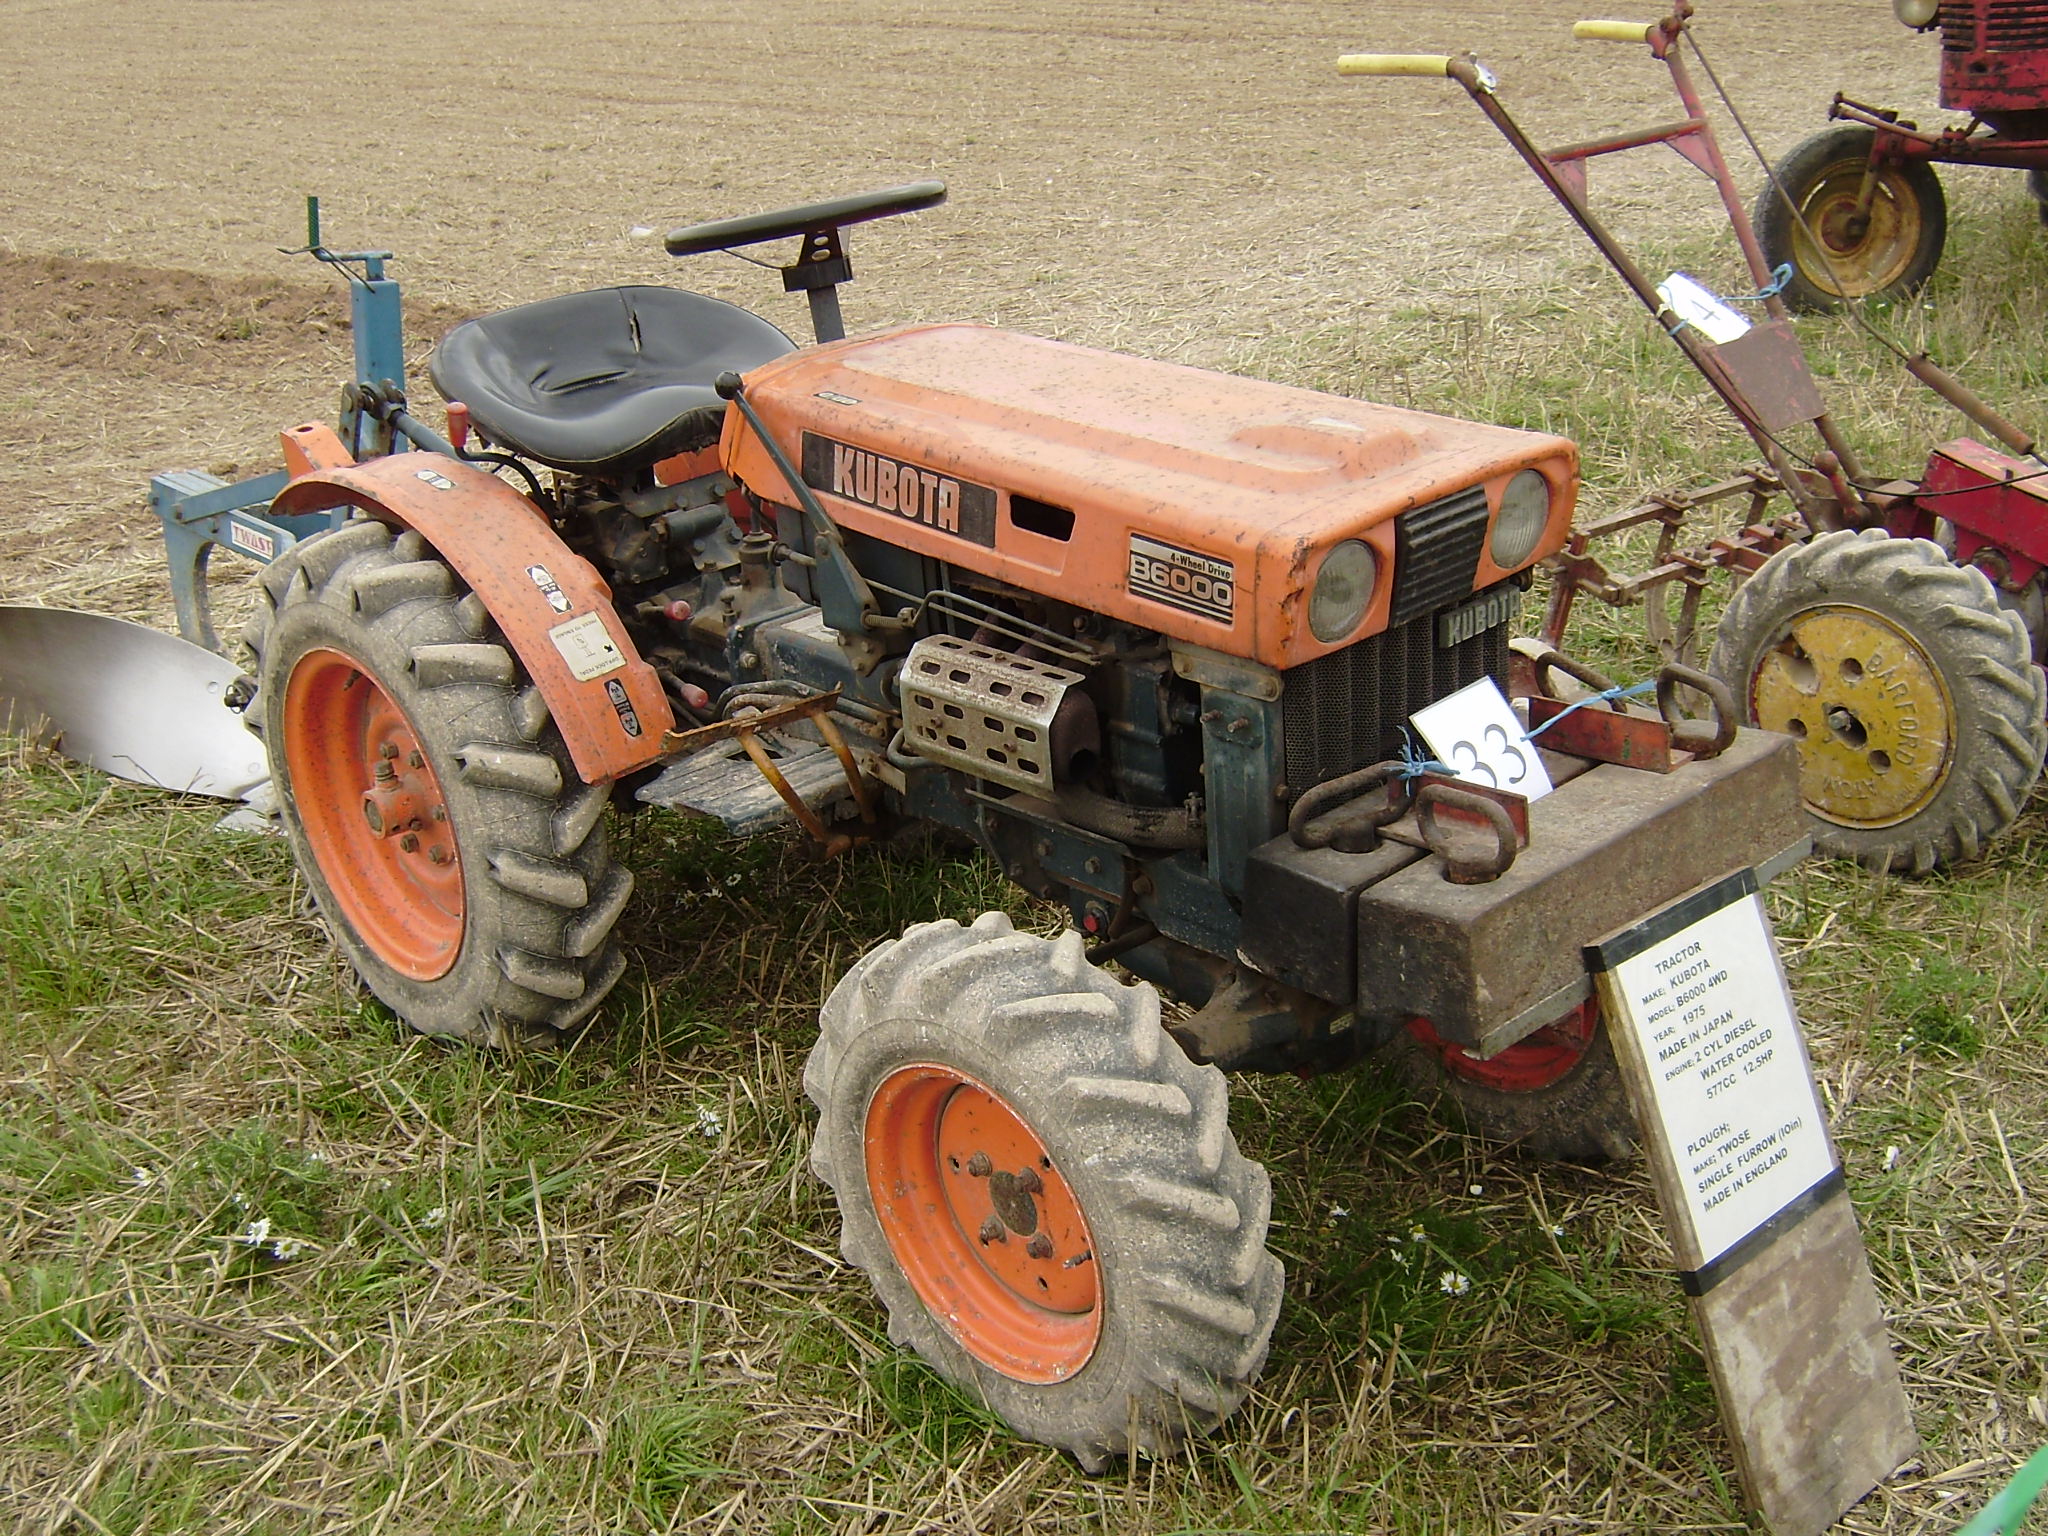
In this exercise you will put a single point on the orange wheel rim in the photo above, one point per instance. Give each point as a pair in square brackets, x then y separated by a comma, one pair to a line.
[985, 1228]
[374, 816]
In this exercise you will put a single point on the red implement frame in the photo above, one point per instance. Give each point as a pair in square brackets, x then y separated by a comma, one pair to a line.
[1763, 379]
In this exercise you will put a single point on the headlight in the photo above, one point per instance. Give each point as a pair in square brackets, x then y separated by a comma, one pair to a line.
[1343, 591]
[1918, 14]
[1518, 526]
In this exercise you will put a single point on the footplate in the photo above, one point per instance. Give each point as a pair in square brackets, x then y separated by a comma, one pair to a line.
[753, 772]
[721, 781]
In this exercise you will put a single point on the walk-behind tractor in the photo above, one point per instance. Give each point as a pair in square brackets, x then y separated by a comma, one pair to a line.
[1858, 210]
[1894, 627]
[1151, 636]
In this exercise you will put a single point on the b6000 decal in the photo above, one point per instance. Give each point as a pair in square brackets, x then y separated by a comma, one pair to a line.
[1183, 578]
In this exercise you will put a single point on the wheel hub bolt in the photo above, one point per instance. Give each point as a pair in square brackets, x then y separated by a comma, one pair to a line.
[980, 1166]
[1029, 1181]
[415, 760]
[385, 773]
[992, 1231]
[437, 855]
[409, 843]
[387, 750]
[1040, 1246]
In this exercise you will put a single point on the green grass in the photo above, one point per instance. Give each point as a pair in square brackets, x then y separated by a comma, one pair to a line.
[271, 1264]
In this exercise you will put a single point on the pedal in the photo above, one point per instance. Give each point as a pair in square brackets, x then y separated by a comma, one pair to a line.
[722, 781]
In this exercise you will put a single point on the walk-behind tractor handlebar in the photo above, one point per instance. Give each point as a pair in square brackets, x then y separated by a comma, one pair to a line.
[1906, 668]
[1070, 605]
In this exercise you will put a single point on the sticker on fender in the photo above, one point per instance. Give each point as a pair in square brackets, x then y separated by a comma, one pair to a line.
[1475, 734]
[587, 646]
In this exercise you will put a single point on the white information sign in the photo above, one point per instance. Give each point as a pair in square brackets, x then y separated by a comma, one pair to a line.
[1713, 1024]
[1475, 734]
[587, 646]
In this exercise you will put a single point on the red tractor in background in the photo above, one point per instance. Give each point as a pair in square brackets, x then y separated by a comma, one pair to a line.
[1857, 209]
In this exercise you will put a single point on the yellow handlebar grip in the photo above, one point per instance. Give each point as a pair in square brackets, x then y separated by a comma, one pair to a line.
[1394, 64]
[1611, 31]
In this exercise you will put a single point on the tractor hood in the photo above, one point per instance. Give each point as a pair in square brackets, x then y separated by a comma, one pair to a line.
[1194, 503]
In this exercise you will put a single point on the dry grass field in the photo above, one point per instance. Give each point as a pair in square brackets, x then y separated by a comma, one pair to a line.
[267, 1265]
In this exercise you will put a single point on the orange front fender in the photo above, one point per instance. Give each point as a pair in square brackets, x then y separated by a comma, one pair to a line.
[553, 607]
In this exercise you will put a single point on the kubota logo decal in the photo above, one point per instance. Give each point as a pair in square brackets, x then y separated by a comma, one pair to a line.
[1183, 578]
[958, 507]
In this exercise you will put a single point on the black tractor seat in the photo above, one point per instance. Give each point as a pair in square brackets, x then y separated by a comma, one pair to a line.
[605, 382]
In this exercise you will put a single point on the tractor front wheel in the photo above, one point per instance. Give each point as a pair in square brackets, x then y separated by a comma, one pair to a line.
[1812, 214]
[1913, 695]
[429, 796]
[1556, 1093]
[1043, 1188]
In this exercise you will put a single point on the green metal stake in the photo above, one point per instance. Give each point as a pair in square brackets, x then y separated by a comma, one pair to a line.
[2002, 1516]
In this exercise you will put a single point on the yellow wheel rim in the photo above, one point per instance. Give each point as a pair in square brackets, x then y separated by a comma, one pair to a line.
[1856, 254]
[1875, 724]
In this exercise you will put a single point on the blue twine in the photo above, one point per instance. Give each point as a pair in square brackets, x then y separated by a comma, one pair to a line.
[1415, 763]
[1781, 274]
[1627, 691]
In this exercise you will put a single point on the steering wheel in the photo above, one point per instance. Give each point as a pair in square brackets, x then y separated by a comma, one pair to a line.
[754, 228]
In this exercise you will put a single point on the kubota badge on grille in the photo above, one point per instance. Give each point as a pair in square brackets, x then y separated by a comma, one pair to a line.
[1183, 578]
[958, 507]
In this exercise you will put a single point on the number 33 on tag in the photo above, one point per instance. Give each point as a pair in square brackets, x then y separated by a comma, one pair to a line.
[1475, 734]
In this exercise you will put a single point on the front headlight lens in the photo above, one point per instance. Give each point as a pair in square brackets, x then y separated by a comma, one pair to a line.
[1518, 526]
[1343, 591]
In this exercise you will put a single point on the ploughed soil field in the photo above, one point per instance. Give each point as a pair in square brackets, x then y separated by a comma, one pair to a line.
[1187, 180]
[1183, 179]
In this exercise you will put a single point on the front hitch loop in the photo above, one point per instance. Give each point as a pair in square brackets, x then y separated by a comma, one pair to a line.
[1579, 672]
[1339, 815]
[1702, 738]
[1466, 868]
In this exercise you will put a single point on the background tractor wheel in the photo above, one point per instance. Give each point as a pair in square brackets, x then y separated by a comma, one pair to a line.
[429, 797]
[1557, 1094]
[1043, 1188]
[1914, 696]
[1837, 253]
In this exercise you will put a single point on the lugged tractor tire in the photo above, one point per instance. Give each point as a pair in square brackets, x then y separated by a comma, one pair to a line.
[1557, 1094]
[485, 909]
[1887, 254]
[1918, 708]
[1128, 1300]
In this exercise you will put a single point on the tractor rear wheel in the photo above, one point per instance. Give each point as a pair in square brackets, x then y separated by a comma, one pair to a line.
[1043, 1188]
[429, 796]
[1555, 1094]
[1914, 696]
[1837, 253]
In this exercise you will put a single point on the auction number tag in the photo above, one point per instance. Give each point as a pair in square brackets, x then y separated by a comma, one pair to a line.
[1475, 734]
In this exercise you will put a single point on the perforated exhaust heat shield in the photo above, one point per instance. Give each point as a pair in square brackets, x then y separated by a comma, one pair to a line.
[1001, 717]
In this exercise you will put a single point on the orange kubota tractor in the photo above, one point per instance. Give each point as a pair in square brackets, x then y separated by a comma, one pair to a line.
[1151, 636]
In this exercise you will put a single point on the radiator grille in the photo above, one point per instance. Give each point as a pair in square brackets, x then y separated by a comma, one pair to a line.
[1346, 710]
[1436, 554]
[2007, 28]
